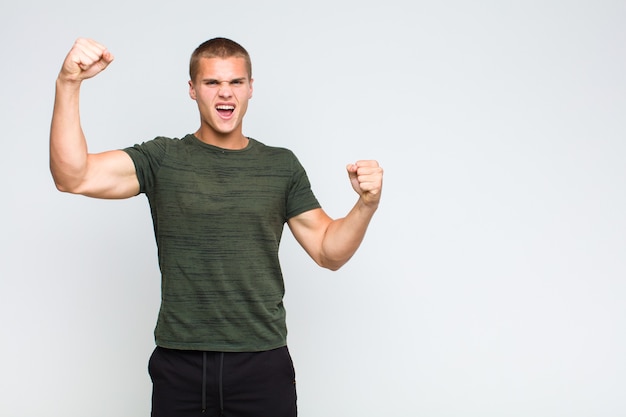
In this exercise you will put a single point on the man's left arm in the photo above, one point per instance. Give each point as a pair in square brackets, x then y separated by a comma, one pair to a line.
[331, 243]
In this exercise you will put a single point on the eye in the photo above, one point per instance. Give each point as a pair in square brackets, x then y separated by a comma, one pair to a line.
[211, 82]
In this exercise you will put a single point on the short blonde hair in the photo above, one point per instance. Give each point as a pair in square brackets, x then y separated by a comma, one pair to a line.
[218, 48]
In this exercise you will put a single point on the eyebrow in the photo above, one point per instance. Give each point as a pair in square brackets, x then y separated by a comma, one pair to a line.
[218, 81]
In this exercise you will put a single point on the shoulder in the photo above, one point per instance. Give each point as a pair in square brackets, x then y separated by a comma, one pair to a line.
[159, 146]
[272, 151]
[160, 142]
[153, 152]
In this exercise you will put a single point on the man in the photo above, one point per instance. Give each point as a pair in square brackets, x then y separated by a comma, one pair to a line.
[219, 201]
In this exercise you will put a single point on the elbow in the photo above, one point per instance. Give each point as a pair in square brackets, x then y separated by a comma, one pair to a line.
[332, 267]
[60, 186]
[64, 189]
[68, 178]
[64, 185]
[332, 264]
[332, 259]
[71, 188]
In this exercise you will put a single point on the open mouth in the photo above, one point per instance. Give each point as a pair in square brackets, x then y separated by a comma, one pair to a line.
[225, 110]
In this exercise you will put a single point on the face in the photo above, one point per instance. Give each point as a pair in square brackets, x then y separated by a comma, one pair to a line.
[221, 89]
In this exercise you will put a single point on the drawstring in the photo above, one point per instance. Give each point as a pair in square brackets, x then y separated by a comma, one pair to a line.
[220, 384]
[203, 382]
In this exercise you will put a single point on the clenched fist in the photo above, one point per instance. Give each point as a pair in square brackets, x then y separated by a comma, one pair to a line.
[366, 178]
[86, 59]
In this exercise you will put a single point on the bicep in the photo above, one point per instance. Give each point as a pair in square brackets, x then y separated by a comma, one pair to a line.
[110, 175]
[309, 229]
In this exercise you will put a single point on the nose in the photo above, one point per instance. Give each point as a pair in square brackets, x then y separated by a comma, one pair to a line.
[224, 90]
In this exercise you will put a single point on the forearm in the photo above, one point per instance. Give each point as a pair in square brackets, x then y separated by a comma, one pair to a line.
[344, 236]
[68, 148]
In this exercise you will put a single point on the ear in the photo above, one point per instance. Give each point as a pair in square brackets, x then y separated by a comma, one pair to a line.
[251, 89]
[192, 90]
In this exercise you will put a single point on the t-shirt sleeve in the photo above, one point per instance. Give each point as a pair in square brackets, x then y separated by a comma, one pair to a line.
[300, 198]
[147, 158]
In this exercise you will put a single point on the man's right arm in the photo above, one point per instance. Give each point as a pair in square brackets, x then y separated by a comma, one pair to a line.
[104, 175]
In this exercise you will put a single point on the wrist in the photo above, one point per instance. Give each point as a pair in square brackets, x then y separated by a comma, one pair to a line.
[67, 89]
[65, 82]
[369, 203]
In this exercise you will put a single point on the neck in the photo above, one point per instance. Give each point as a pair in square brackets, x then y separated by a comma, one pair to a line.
[233, 141]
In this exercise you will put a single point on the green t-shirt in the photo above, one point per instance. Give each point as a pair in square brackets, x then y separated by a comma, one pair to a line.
[218, 219]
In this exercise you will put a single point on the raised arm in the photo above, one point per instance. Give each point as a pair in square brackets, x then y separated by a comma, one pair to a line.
[331, 243]
[105, 175]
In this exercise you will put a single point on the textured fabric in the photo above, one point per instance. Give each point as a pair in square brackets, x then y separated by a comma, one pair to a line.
[218, 219]
[212, 384]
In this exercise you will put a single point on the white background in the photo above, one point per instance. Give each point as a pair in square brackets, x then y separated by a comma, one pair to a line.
[492, 280]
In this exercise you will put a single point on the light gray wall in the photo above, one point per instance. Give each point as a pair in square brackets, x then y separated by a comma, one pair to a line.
[492, 280]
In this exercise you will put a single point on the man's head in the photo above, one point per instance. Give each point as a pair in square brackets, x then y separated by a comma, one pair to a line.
[221, 84]
[218, 48]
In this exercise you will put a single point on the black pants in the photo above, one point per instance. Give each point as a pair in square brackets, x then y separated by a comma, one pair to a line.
[216, 384]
